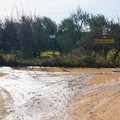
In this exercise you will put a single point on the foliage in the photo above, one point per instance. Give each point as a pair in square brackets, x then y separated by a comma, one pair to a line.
[111, 54]
[7, 58]
[49, 53]
[67, 37]
[23, 40]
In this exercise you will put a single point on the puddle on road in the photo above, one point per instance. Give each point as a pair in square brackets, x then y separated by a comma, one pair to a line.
[99, 79]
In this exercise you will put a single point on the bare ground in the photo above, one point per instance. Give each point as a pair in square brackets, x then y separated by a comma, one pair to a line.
[5, 99]
[96, 96]
[62, 69]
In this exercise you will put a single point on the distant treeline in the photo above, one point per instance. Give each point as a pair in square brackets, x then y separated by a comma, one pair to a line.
[29, 36]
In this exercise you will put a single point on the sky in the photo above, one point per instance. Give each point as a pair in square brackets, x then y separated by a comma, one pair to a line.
[57, 10]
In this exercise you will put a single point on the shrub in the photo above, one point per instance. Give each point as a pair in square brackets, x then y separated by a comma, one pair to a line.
[49, 54]
[6, 58]
[111, 54]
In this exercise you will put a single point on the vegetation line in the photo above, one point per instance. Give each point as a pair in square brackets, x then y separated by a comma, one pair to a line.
[26, 41]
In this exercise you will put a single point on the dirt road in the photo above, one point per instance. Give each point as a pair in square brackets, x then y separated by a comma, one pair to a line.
[59, 94]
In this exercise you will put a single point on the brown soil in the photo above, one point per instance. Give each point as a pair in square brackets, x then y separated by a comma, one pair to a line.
[100, 105]
[3, 74]
[98, 79]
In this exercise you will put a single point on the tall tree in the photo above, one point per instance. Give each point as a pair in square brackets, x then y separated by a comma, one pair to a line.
[96, 23]
[26, 36]
[49, 28]
[37, 35]
[67, 35]
[80, 19]
[9, 35]
[115, 34]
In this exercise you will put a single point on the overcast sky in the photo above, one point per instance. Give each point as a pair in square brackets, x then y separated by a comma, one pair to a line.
[57, 10]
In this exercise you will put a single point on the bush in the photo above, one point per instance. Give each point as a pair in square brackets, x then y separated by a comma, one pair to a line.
[49, 54]
[67, 60]
[7, 58]
[111, 54]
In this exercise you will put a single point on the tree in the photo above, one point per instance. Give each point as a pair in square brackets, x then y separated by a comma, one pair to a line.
[115, 34]
[67, 36]
[49, 28]
[9, 36]
[80, 19]
[42, 29]
[96, 23]
[26, 36]
[37, 36]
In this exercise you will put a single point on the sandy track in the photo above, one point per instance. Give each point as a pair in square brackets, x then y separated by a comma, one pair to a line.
[95, 105]
[98, 107]
[70, 95]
